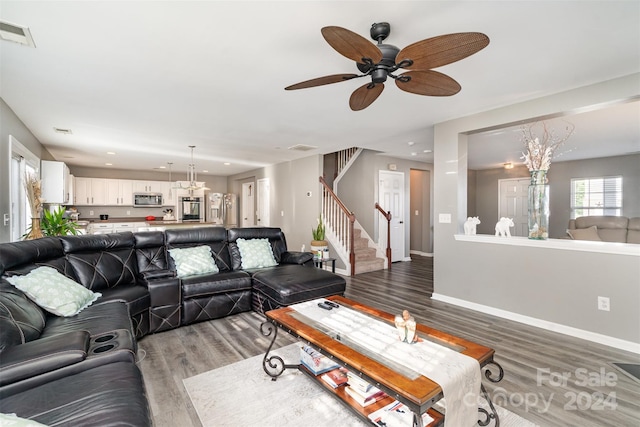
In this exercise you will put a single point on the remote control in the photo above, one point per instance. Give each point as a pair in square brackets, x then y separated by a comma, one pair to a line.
[332, 304]
[323, 305]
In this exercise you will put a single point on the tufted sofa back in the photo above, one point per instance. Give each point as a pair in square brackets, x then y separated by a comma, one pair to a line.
[214, 237]
[21, 320]
[275, 236]
[20, 258]
[102, 261]
[151, 253]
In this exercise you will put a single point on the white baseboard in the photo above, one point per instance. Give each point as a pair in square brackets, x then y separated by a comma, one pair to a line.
[544, 324]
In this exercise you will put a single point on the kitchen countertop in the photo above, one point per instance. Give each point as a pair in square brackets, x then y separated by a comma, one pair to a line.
[157, 222]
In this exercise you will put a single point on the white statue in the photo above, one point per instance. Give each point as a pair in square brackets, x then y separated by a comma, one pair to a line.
[406, 326]
[470, 225]
[502, 227]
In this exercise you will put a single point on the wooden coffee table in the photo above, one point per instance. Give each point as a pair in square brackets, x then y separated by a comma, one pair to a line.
[418, 392]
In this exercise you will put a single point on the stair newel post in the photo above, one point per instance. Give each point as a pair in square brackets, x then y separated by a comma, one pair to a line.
[387, 216]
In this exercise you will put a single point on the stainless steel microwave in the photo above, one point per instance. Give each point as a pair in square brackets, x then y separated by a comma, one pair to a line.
[147, 200]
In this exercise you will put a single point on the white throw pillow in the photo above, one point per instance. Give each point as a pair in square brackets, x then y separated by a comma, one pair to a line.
[54, 292]
[256, 253]
[191, 261]
[590, 233]
[12, 420]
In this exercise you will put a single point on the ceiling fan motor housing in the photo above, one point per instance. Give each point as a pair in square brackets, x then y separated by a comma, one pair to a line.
[387, 64]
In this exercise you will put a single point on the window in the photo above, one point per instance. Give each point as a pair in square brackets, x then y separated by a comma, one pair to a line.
[596, 196]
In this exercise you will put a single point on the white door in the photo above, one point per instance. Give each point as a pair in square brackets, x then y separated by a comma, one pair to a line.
[391, 199]
[248, 205]
[513, 203]
[263, 202]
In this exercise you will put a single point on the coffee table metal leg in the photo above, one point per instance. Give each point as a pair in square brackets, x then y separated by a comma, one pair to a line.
[488, 417]
[274, 366]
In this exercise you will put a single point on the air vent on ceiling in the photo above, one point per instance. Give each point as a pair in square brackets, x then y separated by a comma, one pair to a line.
[64, 131]
[302, 147]
[16, 33]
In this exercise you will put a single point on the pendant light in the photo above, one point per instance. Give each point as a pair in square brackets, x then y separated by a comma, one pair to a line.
[192, 177]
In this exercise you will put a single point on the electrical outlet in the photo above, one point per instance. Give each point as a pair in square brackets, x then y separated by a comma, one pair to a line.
[91, 213]
[603, 304]
[128, 212]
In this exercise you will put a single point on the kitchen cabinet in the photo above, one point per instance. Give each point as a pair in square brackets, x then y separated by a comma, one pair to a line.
[100, 228]
[168, 194]
[119, 192]
[147, 186]
[90, 191]
[56, 181]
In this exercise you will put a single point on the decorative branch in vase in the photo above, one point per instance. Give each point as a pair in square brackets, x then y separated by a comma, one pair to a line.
[34, 195]
[539, 153]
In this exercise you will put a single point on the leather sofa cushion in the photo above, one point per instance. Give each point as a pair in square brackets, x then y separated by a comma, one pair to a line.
[212, 284]
[21, 320]
[136, 297]
[214, 237]
[150, 251]
[289, 284]
[100, 318]
[19, 258]
[273, 234]
[103, 260]
[111, 394]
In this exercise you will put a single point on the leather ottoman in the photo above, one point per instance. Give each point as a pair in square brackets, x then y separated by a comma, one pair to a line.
[290, 284]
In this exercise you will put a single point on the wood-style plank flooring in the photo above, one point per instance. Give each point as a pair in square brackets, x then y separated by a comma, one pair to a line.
[594, 393]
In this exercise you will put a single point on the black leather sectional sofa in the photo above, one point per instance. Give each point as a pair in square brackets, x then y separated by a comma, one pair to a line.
[81, 370]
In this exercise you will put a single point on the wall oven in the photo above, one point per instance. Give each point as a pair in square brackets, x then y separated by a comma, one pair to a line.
[147, 200]
[191, 209]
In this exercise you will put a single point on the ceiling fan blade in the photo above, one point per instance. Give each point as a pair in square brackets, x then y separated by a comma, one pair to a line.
[364, 96]
[334, 78]
[429, 83]
[442, 50]
[349, 44]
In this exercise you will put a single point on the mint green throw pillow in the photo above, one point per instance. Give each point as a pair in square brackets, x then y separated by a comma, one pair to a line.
[191, 261]
[12, 420]
[256, 253]
[54, 292]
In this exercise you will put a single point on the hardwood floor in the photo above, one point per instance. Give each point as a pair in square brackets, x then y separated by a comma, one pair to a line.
[593, 393]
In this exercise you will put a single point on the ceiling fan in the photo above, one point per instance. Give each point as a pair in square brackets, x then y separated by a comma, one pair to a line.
[383, 60]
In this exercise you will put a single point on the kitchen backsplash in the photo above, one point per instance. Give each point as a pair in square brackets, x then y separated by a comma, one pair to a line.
[119, 212]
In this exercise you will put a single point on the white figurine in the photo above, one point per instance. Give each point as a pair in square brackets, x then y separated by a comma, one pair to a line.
[406, 326]
[470, 225]
[502, 227]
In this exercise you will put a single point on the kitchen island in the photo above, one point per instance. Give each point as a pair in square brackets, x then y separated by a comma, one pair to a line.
[135, 224]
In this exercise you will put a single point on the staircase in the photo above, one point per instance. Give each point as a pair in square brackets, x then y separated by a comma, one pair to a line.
[366, 259]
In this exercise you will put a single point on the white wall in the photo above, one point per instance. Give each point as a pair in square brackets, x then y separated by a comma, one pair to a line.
[557, 286]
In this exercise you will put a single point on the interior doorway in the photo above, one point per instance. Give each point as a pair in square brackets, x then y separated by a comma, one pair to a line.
[248, 205]
[512, 203]
[391, 198]
[264, 206]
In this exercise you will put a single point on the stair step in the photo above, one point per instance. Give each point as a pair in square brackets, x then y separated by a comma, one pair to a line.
[370, 265]
[360, 243]
[365, 254]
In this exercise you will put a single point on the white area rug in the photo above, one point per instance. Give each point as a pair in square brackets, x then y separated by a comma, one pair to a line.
[242, 394]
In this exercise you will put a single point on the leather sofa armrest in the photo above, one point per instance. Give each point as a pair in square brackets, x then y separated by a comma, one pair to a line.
[42, 355]
[165, 291]
[146, 276]
[294, 257]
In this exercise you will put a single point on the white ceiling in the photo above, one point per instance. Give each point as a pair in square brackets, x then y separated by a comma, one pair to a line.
[146, 79]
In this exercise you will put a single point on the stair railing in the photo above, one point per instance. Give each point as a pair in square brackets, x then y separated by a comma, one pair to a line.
[387, 215]
[340, 220]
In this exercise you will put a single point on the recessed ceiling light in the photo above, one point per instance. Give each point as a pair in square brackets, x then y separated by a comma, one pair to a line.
[227, 164]
[410, 143]
[111, 152]
[64, 131]
[108, 164]
[414, 154]
[427, 151]
[162, 167]
[205, 171]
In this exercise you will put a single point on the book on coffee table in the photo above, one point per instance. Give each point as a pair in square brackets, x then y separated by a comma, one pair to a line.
[396, 414]
[365, 399]
[336, 377]
[315, 361]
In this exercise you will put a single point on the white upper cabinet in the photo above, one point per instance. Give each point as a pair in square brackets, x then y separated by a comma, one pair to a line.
[90, 191]
[55, 182]
[119, 192]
